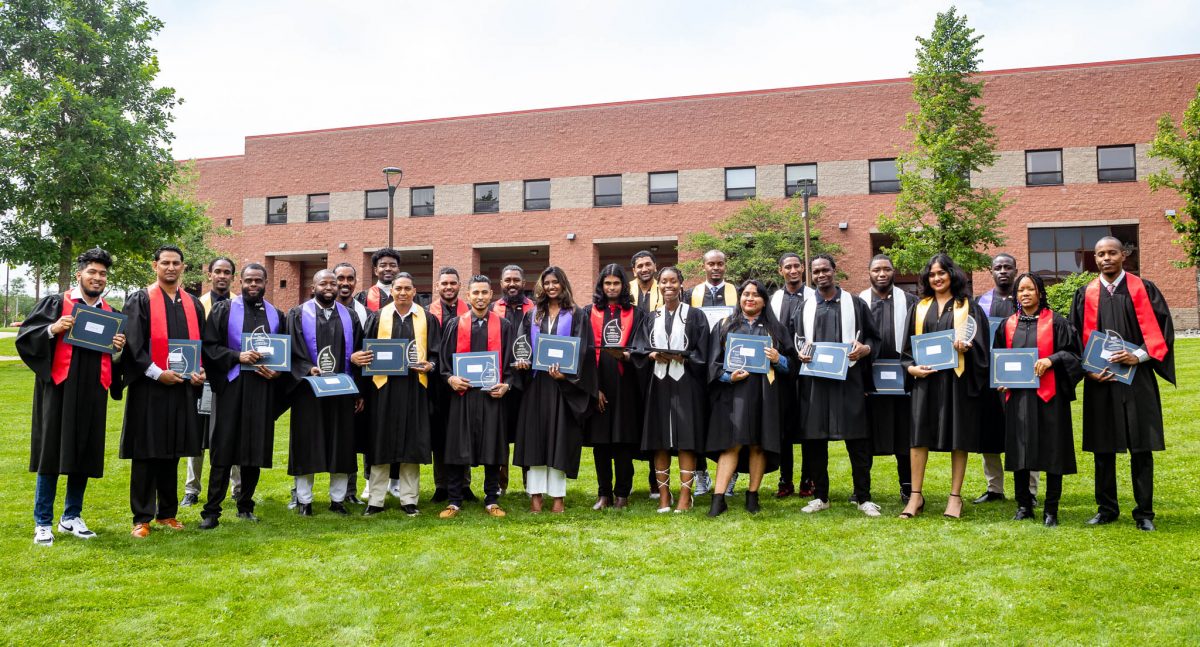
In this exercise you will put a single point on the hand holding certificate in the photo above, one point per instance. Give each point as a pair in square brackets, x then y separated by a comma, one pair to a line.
[95, 329]
[747, 353]
[481, 370]
[935, 350]
[829, 360]
[557, 350]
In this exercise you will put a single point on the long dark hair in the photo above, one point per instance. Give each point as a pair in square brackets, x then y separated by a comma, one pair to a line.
[1039, 283]
[542, 302]
[625, 300]
[958, 279]
[776, 329]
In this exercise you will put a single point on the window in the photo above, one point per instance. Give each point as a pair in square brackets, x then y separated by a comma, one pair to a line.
[377, 204]
[487, 197]
[606, 190]
[739, 183]
[1056, 252]
[277, 211]
[422, 201]
[1115, 164]
[664, 187]
[1043, 168]
[797, 176]
[318, 207]
[883, 176]
[537, 195]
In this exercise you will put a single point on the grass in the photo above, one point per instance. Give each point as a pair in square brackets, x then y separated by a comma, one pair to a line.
[612, 577]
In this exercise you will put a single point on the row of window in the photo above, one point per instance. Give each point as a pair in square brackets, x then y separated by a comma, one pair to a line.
[1042, 168]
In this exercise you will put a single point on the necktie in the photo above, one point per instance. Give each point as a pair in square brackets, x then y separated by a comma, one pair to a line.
[1111, 288]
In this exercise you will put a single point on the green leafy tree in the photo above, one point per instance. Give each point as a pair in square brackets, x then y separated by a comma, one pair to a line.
[755, 236]
[936, 209]
[1181, 147]
[1061, 294]
[84, 138]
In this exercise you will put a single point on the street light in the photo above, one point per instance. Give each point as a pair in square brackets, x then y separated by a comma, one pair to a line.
[804, 187]
[388, 173]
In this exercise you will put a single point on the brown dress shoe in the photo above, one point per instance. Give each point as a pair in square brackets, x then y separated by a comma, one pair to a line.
[495, 511]
[601, 503]
[535, 504]
[560, 504]
[141, 530]
[621, 502]
[449, 513]
[171, 523]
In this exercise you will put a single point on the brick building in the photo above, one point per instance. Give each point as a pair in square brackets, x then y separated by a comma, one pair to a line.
[581, 186]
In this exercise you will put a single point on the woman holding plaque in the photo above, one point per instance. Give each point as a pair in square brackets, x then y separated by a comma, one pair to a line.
[946, 405]
[1038, 434]
[674, 342]
[614, 429]
[743, 434]
[555, 404]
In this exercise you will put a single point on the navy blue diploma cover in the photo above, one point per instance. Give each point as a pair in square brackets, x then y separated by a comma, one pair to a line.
[830, 360]
[183, 357]
[279, 357]
[557, 349]
[747, 352]
[994, 324]
[482, 368]
[391, 357]
[889, 376]
[1013, 368]
[94, 328]
[935, 350]
[324, 386]
[1095, 362]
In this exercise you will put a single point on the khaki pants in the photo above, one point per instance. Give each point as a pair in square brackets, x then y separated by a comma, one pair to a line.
[409, 484]
[993, 471]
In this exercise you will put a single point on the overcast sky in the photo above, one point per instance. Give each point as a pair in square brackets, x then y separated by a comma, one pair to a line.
[248, 68]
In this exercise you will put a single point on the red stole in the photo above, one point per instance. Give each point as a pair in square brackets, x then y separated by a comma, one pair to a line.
[158, 323]
[1045, 348]
[462, 339]
[373, 298]
[62, 351]
[500, 307]
[1156, 345]
[436, 310]
[598, 331]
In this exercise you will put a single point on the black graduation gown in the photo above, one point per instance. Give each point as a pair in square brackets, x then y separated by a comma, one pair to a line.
[1126, 417]
[439, 405]
[550, 424]
[833, 409]
[160, 420]
[244, 431]
[790, 411]
[889, 416]
[518, 322]
[477, 423]
[1039, 435]
[992, 420]
[67, 435]
[385, 297]
[946, 408]
[676, 411]
[744, 413]
[621, 420]
[321, 430]
[399, 427]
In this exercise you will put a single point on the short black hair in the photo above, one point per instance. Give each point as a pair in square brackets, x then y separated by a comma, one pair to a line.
[641, 254]
[512, 268]
[480, 278]
[1004, 255]
[168, 248]
[345, 264]
[787, 255]
[93, 255]
[447, 270]
[254, 266]
[881, 257]
[386, 252]
[232, 265]
[825, 257]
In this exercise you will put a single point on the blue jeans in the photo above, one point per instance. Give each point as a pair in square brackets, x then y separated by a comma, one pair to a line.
[43, 497]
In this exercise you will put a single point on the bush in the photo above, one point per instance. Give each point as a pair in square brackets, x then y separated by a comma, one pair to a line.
[1061, 294]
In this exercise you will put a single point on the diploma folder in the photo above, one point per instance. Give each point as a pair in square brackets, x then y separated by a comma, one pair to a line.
[830, 360]
[715, 314]
[94, 328]
[994, 324]
[747, 352]
[888, 375]
[482, 368]
[1013, 368]
[391, 357]
[1094, 361]
[324, 386]
[281, 351]
[935, 350]
[557, 349]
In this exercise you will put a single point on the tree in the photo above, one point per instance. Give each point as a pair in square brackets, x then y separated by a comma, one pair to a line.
[84, 139]
[936, 209]
[755, 236]
[1182, 148]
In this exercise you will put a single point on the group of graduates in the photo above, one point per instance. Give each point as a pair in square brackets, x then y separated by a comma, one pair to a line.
[661, 391]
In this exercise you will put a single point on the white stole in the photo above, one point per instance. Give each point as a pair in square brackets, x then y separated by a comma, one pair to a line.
[674, 342]
[846, 301]
[899, 314]
[777, 300]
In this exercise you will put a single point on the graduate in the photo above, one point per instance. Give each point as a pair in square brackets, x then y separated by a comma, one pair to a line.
[644, 287]
[554, 406]
[244, 424]
[321, 431]
[743, 431]
[1119, 418]
[477, 427]
[385, 263]
[512, 306]
[890, 416]
[70, 394]
[445, 307]
[399, 405]
[834, 409]
[1039, 435]
[676, 409]
[946, 405]
[714, 291]
[161, 420]
[784, 303]
[220, 276]
[614, 429]
[347, 281]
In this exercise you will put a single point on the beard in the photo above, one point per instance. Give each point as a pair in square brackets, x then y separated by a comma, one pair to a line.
[252, 299]
[91, 294]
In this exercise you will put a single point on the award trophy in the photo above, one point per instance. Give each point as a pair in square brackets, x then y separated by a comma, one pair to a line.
[489, 377]
[261, 344]
[803, 348]
[612, 334]
[966, 332]
[326, 361]
[177, 361]
[1113, 343]
[522, 351]
[734, 358]
[413, 356]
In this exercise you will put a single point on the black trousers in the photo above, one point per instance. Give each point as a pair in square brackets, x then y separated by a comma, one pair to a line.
[860, 467]
[1141, 467]
[154, 489]
[904, 473]
[787, 460]
[458, 480]
[616, 458]
[218, 485]
[1053, 491]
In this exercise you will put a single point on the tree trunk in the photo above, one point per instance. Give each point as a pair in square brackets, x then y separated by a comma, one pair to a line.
[64, 265]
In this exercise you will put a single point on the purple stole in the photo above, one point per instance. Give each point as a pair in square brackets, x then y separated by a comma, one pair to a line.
[985, 301]
[308, 326]
[233, 331]
[565, 318]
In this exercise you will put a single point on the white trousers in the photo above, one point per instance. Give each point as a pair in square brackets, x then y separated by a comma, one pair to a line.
[195, 476]
[409, 484]
[546, 480]
[337, 488]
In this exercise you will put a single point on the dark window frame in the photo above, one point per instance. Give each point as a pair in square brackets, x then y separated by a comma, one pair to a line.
[662, 196]
[1131, 169]
[488, 206]
[367, 213]
[424, 210]
[1129, 233]
[790, 190]
[605, 199]
[277, 218]
[882, 186]
[535, 204]
[1029, 179]
[752, 190]
[309, 213]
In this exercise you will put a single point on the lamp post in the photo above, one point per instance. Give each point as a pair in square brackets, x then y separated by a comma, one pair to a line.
[805, 184]
[388, 173]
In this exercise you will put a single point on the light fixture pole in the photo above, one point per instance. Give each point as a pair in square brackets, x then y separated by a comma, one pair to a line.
[804, 216]
[389, 173]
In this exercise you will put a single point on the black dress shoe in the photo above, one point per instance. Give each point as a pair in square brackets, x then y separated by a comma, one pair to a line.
[247, 516]
[338, 507]
[304, 509]
[410, 510]
[752, 502]
[718, 506]
[189, 500]
[440, 495]
[1049, 520]
[1102, 518]
[989, 496]
[1145, 524]
[1023, 513]
[208, 523]
[351, 498]
[372, 511]
[853, 499]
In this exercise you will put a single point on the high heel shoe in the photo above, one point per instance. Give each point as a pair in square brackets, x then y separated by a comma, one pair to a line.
[953, 516]
[664, 505]
[920, 508]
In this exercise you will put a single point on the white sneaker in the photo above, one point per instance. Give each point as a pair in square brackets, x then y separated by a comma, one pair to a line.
[366, 493]
[732, 483]
[43, 536]
[76, 527]
[869, 508]
[703, 483]
[817, 505]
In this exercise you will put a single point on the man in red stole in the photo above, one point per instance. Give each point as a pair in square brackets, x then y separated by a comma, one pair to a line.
[445, 307]
[385, 263]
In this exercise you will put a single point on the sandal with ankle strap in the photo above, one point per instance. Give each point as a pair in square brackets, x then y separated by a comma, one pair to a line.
[947, 514]
[686, 484]
[664, 484]
[920, 508]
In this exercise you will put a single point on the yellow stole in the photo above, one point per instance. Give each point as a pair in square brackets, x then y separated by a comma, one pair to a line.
[655, 297]
[420, 333]
[206, 301]
[699, 291]
[961, 309]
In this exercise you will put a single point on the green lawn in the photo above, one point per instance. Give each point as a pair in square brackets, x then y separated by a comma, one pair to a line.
[633, 577]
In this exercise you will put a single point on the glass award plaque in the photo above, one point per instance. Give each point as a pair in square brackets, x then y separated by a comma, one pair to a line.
[326, 362]
[1112, 344]
[612, 334]
[261, 343]
[966, 331]
[522, 351]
